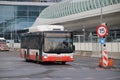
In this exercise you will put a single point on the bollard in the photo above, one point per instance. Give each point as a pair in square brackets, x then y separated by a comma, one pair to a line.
[100, 62]
[103, 62]
[110, 62]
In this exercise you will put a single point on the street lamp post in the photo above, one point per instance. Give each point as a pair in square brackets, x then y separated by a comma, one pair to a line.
[101, 14]
[83, 33]
[11, 36]
[101, 17]
[3, 30]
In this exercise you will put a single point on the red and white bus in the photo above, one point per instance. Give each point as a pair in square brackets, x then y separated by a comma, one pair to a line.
[54, 45]
[3, 45]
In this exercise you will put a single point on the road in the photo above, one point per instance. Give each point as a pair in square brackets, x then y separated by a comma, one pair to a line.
[12, 67]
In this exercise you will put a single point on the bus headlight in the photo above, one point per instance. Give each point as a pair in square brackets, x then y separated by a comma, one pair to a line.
[71, 56]
[45, 55]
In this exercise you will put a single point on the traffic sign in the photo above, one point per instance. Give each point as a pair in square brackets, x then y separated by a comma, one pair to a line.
[102, 30]
[102, 41]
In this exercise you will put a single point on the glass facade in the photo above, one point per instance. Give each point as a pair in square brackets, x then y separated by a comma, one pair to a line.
[34, 0]
[15, 18]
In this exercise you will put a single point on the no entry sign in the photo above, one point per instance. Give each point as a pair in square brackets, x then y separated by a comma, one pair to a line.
[102, 30]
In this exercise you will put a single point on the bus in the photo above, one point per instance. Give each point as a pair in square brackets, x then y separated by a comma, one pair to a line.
[48, 46]
[3, 44]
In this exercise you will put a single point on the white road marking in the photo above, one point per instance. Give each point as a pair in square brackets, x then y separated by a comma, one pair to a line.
[47, 78]
[80, 64]
[67, 78]
[89, 78]
[26, 78]
[71, 68]
[5, 78]
[85, 68]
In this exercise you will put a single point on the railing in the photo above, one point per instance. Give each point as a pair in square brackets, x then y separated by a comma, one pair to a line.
[110, 46]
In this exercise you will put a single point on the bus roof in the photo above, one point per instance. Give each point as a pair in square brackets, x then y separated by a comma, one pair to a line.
[46, 28]
[38, 33]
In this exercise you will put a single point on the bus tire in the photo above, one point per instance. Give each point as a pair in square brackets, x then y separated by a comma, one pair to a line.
[63, 63]
[38, 62]
[26, 60]
[25, 54]
[37, 57]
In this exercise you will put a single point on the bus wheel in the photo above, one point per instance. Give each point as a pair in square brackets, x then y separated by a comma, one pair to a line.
[27, 60]
[38, 62]
[63, 63]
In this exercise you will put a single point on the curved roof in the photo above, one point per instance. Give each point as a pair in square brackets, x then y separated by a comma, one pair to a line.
[70, 7]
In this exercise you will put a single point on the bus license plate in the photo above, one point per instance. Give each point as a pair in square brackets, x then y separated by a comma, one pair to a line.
[58, 60]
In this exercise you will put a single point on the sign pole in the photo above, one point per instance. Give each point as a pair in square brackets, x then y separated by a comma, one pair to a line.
[102, 32]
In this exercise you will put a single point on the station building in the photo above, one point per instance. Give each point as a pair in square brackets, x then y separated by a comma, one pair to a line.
[80, 16]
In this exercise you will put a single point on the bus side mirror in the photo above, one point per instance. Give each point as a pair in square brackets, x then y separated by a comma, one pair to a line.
[73, 47]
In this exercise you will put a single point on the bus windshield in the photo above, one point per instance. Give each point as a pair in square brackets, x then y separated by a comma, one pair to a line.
[58, 45]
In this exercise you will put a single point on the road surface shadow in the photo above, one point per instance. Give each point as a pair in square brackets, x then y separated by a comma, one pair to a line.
[46, 63]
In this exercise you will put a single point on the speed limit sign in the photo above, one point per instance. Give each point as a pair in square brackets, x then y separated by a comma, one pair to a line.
[102, 30]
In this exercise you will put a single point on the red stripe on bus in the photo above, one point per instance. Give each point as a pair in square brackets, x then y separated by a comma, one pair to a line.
[54, 59]
[32, 57]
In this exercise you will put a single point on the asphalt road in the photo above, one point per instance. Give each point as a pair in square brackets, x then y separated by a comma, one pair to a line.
[12, 67]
